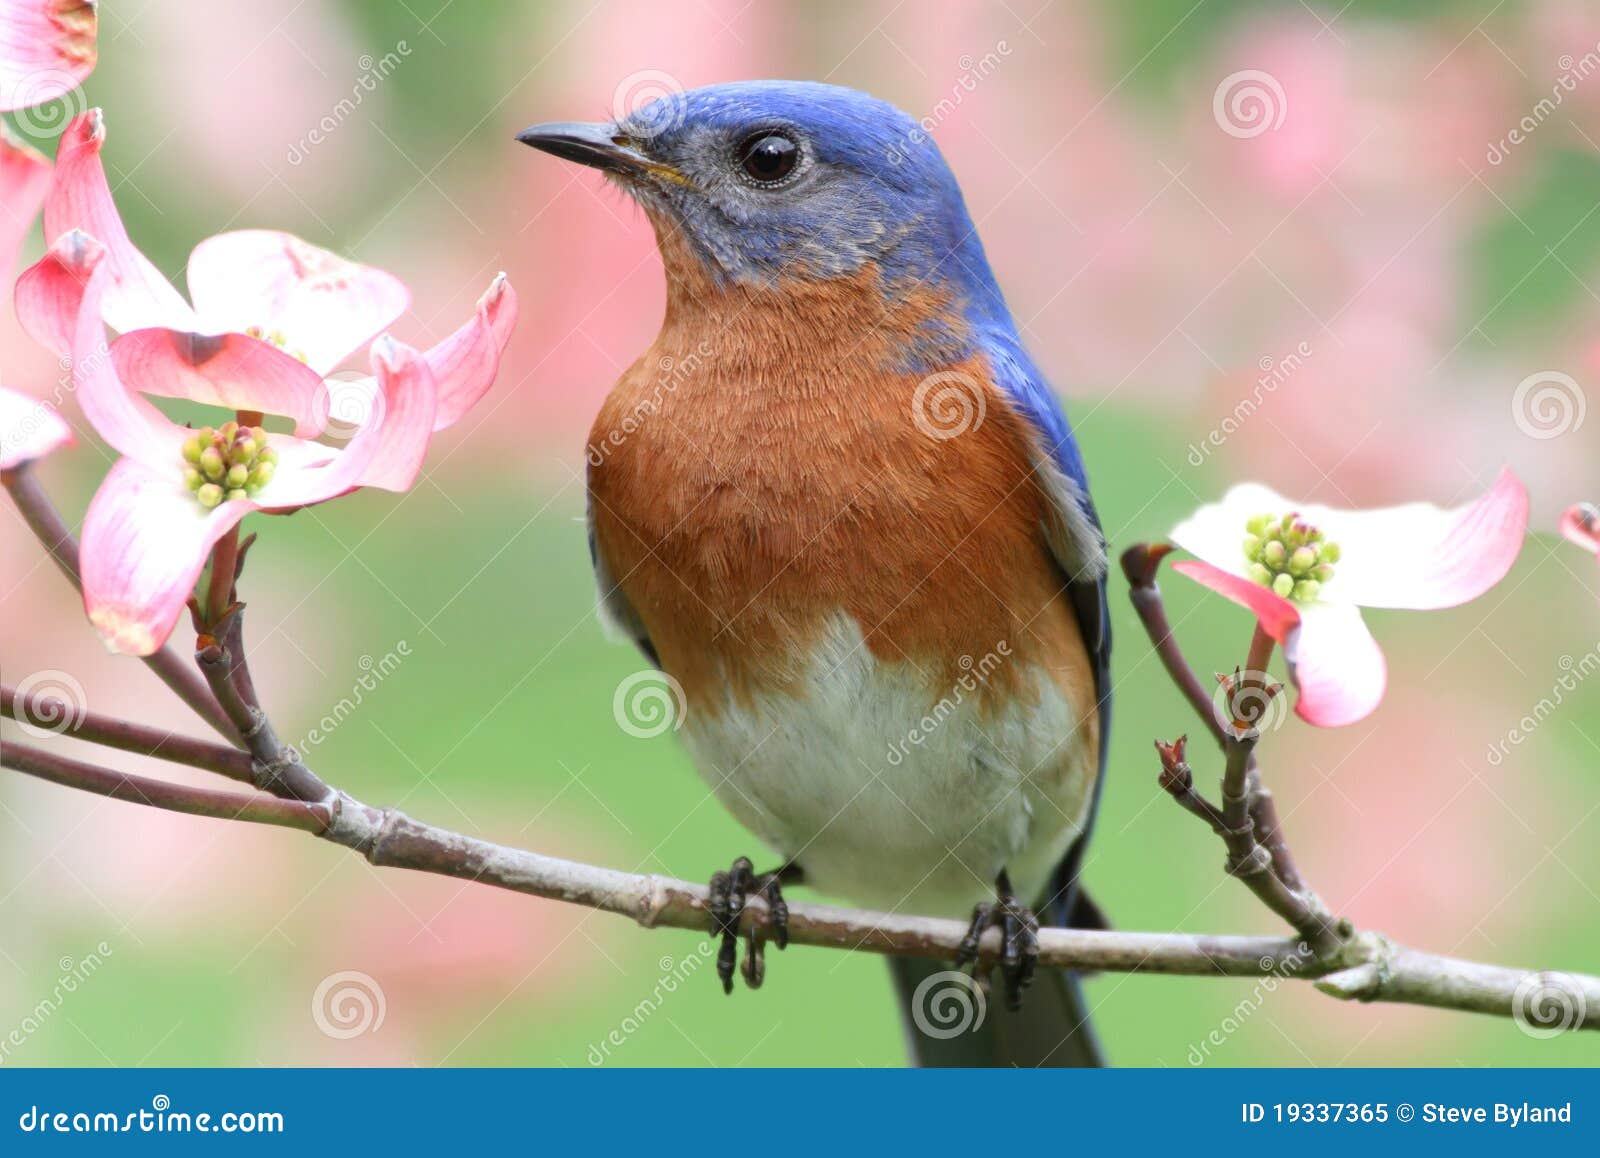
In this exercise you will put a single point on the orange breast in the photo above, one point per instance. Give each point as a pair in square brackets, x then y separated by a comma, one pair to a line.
[758, 471]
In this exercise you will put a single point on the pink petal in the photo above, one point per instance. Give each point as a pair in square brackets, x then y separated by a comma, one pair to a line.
[29, 429]
[323, 307]
[47, 47]
[1277, 616]
[1421, 557]
[386, 451]
[1333, 660]
[228, 370]
[77, 265]
[465, 364]
[50, 293]
[24, 181]
[1336, 664]
[1581, 525]
[145, 542]
[138, 296]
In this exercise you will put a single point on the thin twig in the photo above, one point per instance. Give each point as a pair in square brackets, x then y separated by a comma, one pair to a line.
[59, 716]
[314, 818]
[1140, 563]
[1368, 967]
[278, 767]
[46, 523]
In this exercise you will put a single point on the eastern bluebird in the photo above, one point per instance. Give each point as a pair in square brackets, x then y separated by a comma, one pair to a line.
[839, 504]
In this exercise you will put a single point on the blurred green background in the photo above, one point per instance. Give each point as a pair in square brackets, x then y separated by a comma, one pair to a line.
[1161, 263]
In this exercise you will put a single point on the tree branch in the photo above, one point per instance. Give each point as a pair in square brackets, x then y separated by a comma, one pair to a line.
[1366, 967]
[47, 525]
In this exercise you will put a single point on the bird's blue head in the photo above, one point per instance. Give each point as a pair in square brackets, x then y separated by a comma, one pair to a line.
[771, 180]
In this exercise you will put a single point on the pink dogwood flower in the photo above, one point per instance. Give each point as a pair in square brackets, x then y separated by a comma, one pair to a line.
[1306, 571]
[1580, 524]
[47, 47]
[176, 491]
[29, 429]
[270, 312]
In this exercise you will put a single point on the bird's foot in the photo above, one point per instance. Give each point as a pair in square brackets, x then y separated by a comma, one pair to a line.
[1019, 942]
[728, 893]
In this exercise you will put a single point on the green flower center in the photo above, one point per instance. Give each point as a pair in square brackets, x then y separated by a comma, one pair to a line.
[275, 338]
[227, 463]
[1289, 555]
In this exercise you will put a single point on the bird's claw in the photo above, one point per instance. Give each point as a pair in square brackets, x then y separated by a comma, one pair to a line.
[1019, 942]
[729, 891]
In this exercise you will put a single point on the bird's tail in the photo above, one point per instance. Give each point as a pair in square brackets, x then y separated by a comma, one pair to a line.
[948, 1023]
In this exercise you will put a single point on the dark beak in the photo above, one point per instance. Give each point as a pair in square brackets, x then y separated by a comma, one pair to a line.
[598, 146]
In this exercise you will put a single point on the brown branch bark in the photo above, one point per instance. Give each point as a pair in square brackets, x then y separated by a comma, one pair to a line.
[51, 530]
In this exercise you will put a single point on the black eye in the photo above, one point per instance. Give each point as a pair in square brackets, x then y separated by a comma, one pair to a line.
[768, 158]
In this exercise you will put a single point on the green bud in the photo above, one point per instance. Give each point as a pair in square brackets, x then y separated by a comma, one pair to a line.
[1252, 548]
[1258, 524]
[1330, 552]
[1303, 559]
[238, 475]
[211, 463]
[1322, 572]
[1306, 590]
[237, 493]
[1259, 574]
[1274, 555]
[261, 475]
[210, 495]
[229, 429]
[192, 478]
[268, 456]
[193, 447]
[245, 449]
[1283, 586]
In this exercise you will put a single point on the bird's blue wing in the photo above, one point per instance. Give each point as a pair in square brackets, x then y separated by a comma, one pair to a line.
[1078, 544]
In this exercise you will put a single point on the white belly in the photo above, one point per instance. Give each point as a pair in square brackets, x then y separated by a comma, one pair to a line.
[897, 794]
